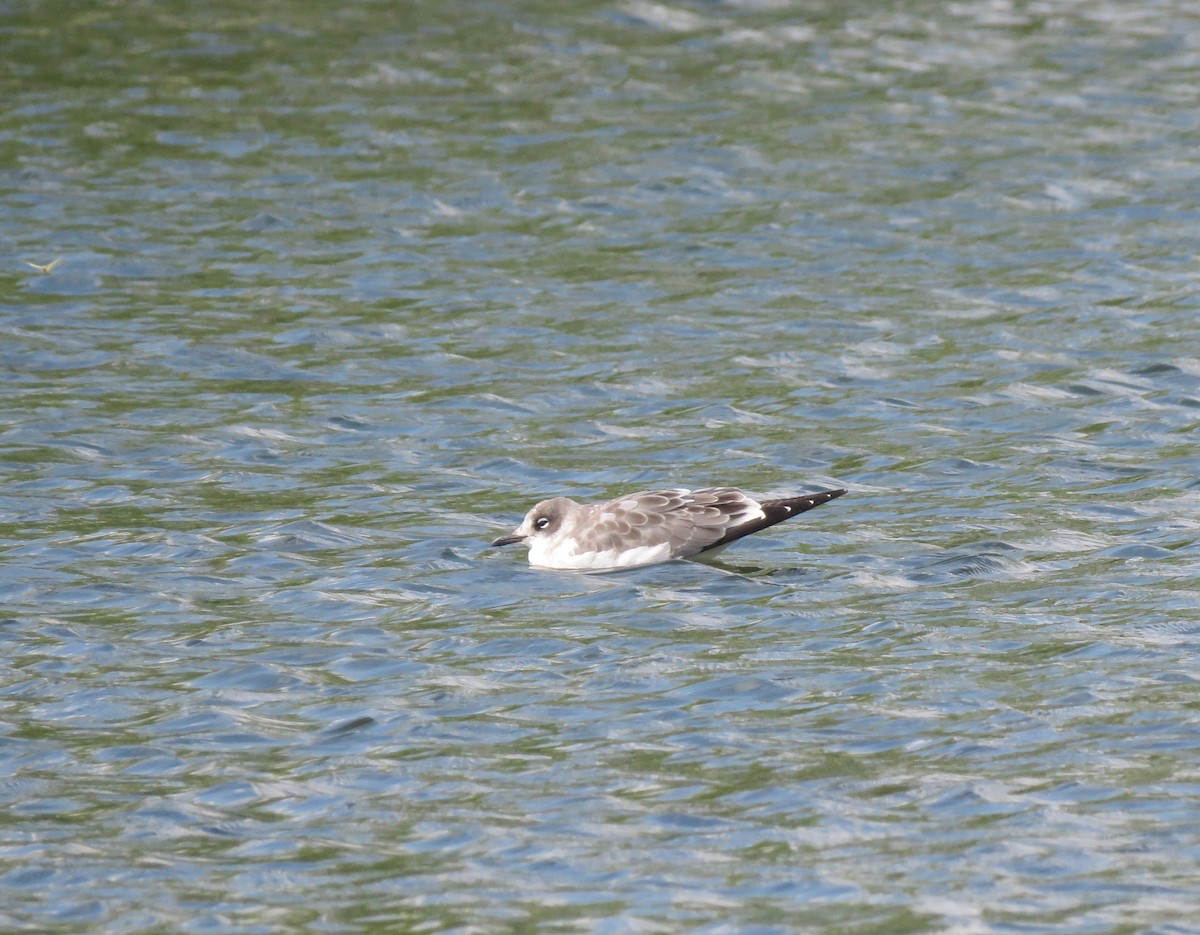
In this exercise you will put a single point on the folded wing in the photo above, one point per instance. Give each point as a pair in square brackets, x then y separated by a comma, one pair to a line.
[688, 522]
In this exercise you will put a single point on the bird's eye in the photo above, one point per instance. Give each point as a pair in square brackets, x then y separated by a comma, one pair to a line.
[541, 522]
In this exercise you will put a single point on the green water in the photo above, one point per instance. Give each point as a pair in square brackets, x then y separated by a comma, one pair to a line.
[339, 294]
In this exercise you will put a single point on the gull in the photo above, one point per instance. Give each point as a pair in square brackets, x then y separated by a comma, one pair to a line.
[649, 527]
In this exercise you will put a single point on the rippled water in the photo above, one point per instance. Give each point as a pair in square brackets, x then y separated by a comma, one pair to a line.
[343, 292]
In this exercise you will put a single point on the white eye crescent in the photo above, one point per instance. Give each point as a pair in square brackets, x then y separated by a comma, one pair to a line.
[541, 522]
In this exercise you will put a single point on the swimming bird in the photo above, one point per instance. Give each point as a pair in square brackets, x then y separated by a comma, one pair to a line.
[649, 527]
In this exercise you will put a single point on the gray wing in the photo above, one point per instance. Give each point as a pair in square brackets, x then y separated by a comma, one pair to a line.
[689, 521]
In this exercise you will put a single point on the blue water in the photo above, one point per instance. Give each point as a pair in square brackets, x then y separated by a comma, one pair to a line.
[341, 293]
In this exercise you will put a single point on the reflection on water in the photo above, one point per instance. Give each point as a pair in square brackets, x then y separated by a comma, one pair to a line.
[341, 294]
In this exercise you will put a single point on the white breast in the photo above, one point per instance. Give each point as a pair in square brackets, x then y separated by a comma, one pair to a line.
[561, 554]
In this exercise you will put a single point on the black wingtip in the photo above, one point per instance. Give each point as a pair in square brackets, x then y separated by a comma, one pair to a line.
[776, 511]
[797, 505]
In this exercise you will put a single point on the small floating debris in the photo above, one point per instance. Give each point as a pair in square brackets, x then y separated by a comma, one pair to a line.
[354, 724]
[47, 268]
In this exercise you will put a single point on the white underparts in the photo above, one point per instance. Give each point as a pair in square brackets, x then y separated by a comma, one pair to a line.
[561, 554]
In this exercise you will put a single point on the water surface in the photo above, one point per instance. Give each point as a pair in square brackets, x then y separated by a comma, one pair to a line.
[343, 292]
